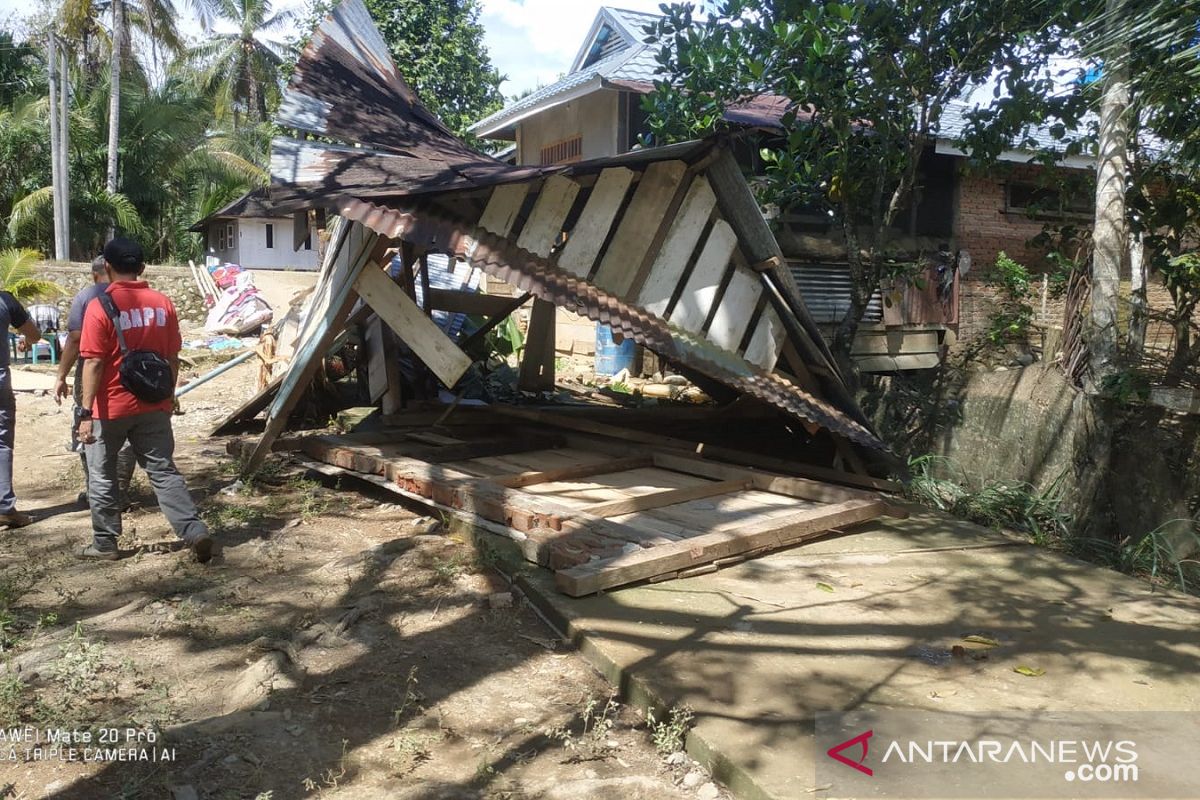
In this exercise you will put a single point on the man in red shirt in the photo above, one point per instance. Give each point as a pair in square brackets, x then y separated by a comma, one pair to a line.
[113, 415]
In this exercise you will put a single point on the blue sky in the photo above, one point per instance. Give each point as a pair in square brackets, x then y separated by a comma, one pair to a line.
[530, 41]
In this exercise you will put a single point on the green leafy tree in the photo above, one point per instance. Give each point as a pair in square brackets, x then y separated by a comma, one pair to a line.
[868, 82]
[243, 68]
[438, 46]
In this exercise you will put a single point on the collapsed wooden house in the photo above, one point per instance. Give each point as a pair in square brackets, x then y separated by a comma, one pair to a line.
[666, 246]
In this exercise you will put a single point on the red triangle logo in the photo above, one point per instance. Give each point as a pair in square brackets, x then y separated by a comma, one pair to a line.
[861, 740]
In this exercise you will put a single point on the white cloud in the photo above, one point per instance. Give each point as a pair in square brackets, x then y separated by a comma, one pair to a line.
[534, 41]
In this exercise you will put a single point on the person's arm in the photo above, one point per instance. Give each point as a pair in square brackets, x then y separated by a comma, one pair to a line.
[93, 372]
[30, 331]
[174, 362]
[70, 355]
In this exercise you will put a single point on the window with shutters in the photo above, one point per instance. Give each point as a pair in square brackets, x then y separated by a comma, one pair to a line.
[565, 152]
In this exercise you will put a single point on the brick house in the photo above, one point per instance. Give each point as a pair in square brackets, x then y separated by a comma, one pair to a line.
[959, 221]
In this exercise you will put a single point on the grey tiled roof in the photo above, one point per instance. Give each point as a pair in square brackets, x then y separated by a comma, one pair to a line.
[955, 119]
[634, 63]
[634, 21]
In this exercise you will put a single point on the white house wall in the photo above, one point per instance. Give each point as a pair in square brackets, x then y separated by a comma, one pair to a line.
[250, 246]
[592, 117]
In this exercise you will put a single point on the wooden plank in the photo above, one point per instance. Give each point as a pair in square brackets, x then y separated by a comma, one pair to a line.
[656, 291]
[733, 314]
[549, 212]
[537, 362]
[503, 207]
[698, 550]
[767, 340]
[409, 322]
[582, 248]
[331, 305]
[441, 454]
[672, 497]
[249, 409]
[638, 226]
[383, 367]
[573, 472]
[693, 448]
[487, 305]
[702, 285]
[800, 488]
[895, 342]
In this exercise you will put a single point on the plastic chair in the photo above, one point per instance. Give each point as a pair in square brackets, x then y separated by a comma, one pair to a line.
[47, 345]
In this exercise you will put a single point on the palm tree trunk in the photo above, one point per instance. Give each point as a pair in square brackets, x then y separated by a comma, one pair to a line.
[114, 96]
[1111, 233]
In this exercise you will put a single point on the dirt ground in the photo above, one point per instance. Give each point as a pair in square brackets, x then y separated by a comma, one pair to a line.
[339, 646]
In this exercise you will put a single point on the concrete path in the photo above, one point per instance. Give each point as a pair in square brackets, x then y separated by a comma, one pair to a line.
[870, 621]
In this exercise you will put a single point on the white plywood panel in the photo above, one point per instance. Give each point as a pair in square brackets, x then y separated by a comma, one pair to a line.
[588, 237]
[767, 340]
[733, 314]
[638, 226]
[702, 285]
[503, 207]
[549, 212]
[678, 247]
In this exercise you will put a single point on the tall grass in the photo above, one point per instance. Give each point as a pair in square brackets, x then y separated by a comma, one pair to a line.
[1039, 513]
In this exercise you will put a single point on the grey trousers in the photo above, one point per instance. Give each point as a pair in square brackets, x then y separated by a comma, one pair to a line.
[153, 444]
[125, 461]
[8, 434]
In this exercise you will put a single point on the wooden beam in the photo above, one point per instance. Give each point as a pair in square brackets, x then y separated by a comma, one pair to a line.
[504, 314]
[420, 333]
[383, 367]
[488, 305]
[331, 305]
[537, 362]
[696, 550]
[521, 479]
[645, 502]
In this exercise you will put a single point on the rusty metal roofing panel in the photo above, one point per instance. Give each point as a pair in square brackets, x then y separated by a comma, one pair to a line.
[347, 87]
[502, 259]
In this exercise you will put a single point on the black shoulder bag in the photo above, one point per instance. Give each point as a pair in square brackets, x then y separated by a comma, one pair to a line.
[145, 373]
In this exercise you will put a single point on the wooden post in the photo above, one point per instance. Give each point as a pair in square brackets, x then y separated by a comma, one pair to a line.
[537, 365]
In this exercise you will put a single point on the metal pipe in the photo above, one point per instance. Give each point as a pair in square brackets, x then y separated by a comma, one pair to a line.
[228, 365]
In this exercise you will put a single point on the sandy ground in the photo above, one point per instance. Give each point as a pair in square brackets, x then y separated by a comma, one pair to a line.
[340, 646]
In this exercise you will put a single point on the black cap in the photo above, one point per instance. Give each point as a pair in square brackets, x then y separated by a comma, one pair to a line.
[125, 255]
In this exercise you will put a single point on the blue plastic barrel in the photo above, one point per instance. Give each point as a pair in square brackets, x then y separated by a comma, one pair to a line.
[611, 357]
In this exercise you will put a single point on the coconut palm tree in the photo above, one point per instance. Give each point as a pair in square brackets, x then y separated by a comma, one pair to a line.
[18, 275]
[241, 67]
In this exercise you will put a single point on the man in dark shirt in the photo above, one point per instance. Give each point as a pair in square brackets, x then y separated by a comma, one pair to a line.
[13, 315]
[70, 358]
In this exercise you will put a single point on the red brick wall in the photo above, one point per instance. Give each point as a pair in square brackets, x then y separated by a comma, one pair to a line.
[983, 229]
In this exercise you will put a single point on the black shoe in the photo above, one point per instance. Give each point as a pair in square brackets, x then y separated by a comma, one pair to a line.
[202, 546]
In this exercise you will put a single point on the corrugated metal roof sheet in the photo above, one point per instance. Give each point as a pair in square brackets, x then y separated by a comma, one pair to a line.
[502, 259]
